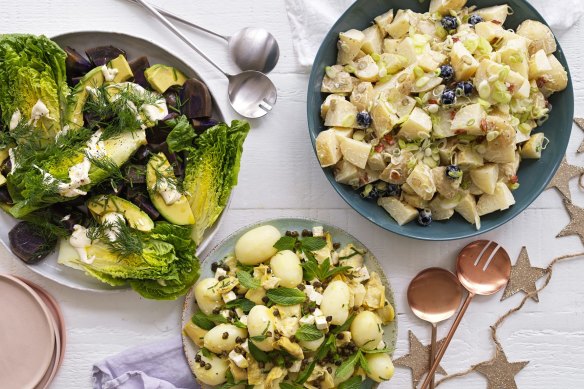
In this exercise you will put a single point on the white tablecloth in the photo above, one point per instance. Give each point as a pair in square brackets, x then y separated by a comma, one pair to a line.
[280, 177]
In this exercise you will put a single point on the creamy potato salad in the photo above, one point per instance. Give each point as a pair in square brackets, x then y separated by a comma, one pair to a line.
[431, 114]
[291, 311]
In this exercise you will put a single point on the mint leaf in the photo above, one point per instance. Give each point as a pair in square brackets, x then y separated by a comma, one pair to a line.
[305, 374]
[308, 333]
[243, 303]
[239, 324]
[348, 366]
[247, 280]
[257, 354]
[313, 243]
[363, 362]
[201, 320]
[336, 270]
[286, 296]
[285, 243]
[206, 353]
[352, 383]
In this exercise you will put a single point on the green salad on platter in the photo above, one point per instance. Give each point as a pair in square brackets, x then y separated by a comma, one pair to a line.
[117, 163]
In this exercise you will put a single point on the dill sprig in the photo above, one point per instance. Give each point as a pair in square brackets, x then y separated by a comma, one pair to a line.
[127, 242]
[107, 164]
[119, 112]
[165, 178]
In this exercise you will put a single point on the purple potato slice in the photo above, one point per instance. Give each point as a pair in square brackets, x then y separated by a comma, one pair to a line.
[76, 64]
[29, 244]
[101, 55]
[203, 124]
[195, 99]
[138, 66]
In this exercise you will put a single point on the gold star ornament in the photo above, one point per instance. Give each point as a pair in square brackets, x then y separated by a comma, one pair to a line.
[576, 226]
[523, 277]
[580, 123]
[500, 373]
[565, 173]
[418, 359]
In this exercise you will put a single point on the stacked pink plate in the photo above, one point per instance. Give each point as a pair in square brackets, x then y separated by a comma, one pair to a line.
[32, 335]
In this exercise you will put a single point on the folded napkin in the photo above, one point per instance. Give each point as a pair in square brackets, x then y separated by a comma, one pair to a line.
[160, 365]
[310, 20]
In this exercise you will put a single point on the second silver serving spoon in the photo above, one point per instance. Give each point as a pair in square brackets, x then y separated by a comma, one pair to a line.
[251, 48]
[251, 93]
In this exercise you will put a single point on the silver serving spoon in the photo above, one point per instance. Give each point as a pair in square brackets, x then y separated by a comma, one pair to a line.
[251, 93]
[251, 48]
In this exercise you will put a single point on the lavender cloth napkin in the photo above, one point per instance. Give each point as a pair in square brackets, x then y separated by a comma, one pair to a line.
[160, 365]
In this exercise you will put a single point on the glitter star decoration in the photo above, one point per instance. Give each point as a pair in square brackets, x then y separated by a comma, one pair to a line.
[418, 359]
[565, 173]
[500, 373]
[576, 226]
[580, 123]
[523, 277]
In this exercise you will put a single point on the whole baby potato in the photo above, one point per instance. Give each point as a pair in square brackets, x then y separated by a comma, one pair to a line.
[286, 266]
[257, 245]
[216, 374]
[207, 296]
[260, 321]
[366, 330]
[380, 366]
[335, 302]
[216, 341]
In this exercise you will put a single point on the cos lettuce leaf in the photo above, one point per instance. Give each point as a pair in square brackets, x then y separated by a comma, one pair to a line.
[165, 269]
[211, 172]
[32, 68]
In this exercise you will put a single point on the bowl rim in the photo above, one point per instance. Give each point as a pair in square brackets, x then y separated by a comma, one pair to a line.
[515, 210]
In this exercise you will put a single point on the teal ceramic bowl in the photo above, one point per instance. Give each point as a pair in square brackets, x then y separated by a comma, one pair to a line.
[227, 247]
[534, 175]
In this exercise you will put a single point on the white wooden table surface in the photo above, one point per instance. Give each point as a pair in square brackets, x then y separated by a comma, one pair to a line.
[280, 176]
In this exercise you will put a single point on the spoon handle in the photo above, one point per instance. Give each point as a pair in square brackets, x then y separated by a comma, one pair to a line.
[184, 21]
[176, 32]
[447, 340]
[433, 351]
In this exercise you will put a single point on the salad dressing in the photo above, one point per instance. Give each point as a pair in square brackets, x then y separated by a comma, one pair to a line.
[15, 119]
[109, 74]
[80, 243]
[39, 110]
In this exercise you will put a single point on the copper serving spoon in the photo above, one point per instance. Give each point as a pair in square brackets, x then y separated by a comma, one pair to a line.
[483, 268]
[434, 295]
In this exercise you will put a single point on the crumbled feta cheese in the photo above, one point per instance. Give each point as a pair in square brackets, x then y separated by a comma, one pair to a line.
[227, 297]
[312, 294]
[38, 111]
[317, 231]
[243, 319]
[307, 320]
[361, 274]
[239, 312]
[321, 322]
[156, 111]
[12, 156]
[381, 345]
[295, 368]
[109, 74]
[168, 192]
[225, 313]
[238, 359]
[220, 272]
[81, 242]
[334, 258]
[14, 120]
[245, 346]
[317, 312]
[271, 283]
[113, 221]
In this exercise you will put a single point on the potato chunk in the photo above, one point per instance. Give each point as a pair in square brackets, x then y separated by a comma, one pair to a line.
[355, 152]
[402, 213]
[418, 125]
[468, 120]
[464, 64]
[349, 45]
[500, 200]
[540, 35]
[485, 177]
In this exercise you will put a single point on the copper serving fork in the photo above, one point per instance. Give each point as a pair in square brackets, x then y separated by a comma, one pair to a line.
[483, 268]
